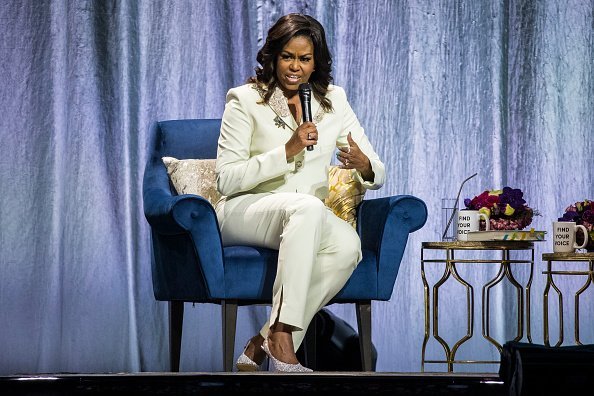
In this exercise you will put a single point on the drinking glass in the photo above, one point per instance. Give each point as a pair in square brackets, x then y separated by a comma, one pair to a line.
[449, 209]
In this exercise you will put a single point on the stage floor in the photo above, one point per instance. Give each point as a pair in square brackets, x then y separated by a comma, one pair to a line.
[261, 383]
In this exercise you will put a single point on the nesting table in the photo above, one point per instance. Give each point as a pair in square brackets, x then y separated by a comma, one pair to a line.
[444, 254]
[588, 272]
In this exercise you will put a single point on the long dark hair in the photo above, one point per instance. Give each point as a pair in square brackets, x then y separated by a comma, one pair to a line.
[280, 33]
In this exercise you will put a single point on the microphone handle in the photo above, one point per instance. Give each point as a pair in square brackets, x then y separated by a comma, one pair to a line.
[306, 108]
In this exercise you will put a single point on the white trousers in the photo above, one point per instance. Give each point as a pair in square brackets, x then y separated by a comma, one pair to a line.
[318, 252]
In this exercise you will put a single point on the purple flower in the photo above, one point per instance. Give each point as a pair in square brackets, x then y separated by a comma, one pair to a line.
[570, 216]
[513, 197]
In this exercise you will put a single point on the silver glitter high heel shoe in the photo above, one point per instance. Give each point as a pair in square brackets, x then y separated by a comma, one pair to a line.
[244, 363]
[282, 366]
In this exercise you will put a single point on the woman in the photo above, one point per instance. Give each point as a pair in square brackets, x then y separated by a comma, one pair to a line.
[274, 187]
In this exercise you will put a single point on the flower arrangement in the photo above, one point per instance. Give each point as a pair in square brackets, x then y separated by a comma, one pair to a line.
[582, 212]
[506, 209]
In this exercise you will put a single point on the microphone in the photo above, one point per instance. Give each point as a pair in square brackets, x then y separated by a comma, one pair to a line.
[305, 97]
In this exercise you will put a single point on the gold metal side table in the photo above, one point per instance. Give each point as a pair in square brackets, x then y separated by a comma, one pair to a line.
[450, 270]
[589, 273]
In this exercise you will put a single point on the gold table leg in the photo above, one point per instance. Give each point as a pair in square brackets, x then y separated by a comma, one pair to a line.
[506, 272]
[446, 274]
[589, 281]
[469, 313]
[551, 282]
[426, 308]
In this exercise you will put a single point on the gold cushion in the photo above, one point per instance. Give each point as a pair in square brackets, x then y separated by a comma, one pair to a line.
[345, 193]
[193, 176]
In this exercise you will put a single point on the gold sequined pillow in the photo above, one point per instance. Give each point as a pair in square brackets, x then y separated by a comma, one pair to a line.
[344, 194]
[193, 176]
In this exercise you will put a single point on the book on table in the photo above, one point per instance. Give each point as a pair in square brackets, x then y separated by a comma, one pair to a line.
[507, 235]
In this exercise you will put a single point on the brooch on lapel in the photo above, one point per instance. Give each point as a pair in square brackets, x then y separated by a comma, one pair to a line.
[279, 122]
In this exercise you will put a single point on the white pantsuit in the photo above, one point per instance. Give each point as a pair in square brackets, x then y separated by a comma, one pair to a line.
[274, 203]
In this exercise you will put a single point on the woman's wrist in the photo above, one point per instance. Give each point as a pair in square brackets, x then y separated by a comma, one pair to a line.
[289, 151]
[367, 172]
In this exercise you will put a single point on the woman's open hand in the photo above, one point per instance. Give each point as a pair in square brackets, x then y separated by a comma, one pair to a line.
[352, 157]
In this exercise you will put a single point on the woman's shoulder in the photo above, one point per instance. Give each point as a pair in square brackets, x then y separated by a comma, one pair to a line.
[335, 89]
[336, 93]
[246, 91]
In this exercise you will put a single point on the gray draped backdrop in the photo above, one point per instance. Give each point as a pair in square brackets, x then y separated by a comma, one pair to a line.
[444, 89]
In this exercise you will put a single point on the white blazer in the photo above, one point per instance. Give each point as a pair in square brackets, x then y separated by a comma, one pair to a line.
[251, 148]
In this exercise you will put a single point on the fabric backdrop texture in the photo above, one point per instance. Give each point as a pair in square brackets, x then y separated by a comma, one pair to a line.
[444, 89]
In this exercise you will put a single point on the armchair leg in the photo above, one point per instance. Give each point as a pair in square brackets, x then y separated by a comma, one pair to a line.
[364, 325]
[229, 310]
[176, 320]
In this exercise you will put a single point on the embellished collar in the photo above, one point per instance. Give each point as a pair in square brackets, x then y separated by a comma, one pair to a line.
[278, 103]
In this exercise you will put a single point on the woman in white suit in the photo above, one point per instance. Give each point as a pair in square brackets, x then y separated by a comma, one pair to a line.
[274, 187]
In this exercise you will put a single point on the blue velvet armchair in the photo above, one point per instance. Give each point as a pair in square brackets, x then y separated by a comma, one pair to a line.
[190, 264]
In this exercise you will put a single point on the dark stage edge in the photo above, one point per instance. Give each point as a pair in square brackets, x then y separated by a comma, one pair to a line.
[262, 383]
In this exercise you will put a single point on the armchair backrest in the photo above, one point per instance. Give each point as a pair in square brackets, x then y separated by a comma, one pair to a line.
[184, 139]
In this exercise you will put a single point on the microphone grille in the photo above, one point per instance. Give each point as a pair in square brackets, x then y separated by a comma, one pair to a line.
[304, 87]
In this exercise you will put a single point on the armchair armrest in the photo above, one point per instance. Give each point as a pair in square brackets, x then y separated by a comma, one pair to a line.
[177, 221]
[158, 200]
[383, 225]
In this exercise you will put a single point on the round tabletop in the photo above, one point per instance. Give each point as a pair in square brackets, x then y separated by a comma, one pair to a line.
[574, 256]
[480, 245]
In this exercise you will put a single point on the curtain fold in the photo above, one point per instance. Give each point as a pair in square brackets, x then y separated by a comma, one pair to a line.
[444, 89]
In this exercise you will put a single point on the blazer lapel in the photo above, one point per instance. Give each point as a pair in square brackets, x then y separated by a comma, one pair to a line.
[278, 104]
[315, 110]
[283, 117]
